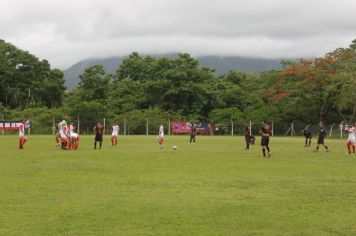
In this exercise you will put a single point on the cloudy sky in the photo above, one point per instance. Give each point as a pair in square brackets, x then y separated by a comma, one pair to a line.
[67, 31]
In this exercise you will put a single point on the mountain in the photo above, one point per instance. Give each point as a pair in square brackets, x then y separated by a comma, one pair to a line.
[221, 65]
[71, 75]
[244, 64]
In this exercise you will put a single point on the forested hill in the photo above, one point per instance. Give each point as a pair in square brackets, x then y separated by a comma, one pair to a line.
[71, 75]
[221, 65]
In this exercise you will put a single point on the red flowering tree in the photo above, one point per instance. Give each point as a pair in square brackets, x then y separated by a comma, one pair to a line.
[308, 83]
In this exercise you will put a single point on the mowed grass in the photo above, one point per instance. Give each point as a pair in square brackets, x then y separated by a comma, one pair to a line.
[214, 187]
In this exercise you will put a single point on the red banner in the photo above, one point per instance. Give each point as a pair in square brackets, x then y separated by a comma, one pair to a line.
[181, 127]
[184, 127]
[12, 125]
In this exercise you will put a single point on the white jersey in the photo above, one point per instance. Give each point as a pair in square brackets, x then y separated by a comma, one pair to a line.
[61, 126]
[64, 132]
[352, 131]
[21, 130]
[161, 132]
[115, 130]
[73, 135]
[71, 129]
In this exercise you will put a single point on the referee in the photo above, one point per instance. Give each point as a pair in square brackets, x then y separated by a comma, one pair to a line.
[99, 130]
[265, 132]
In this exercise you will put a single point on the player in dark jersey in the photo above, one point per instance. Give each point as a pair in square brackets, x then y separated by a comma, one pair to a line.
[308, 136]
[321, 137]
[265, 132]
[99, 131]
[58, 136]
[247, 136]
[193, 132]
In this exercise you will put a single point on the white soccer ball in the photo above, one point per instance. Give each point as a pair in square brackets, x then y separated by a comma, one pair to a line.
[175, 147]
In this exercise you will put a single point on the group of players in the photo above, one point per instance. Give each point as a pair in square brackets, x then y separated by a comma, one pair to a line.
[350, 143]
[193, 132]
[67, 139]
[266, 131]
[99, 131]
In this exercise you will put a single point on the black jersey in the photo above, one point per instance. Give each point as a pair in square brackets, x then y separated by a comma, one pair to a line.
[193, 130]
[322, 133]
[247, 131]
[265, 130]
[99, 129]
[307, 133]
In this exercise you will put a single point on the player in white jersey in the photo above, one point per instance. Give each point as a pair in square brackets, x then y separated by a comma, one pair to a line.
[71, 127]
[115, 134]
[161, 136]
[65, 137]
[73, 137]
[63, 125]
[22, 136]
[351, 139]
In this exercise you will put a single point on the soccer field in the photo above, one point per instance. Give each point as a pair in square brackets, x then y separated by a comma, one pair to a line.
[214, 187]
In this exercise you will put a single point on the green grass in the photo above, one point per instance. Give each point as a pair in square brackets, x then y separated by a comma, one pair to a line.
[211, 188]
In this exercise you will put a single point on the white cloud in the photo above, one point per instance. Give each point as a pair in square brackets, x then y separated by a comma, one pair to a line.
[65, 32]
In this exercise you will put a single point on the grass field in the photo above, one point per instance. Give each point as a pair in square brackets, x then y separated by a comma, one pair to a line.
[214, 187]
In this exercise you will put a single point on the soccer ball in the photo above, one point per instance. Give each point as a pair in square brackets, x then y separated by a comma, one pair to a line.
[175, 147]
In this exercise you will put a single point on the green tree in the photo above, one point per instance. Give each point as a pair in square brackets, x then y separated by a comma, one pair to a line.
[127, 95]
[345, 81]
[136, 67]
[94, 84]
[235, 77]
[224, 117]
[26, 80]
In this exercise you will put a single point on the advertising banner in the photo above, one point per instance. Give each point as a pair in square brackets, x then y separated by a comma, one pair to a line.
[180, 127]
[13, 125]
[202, 127]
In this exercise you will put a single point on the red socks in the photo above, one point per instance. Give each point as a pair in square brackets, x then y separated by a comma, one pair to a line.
[22, 142]
[349, 147]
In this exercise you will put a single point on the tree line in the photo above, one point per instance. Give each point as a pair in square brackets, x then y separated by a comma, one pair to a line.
[160, 89]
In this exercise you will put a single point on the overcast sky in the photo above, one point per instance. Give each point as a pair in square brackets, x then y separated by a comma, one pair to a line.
[67, 31]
